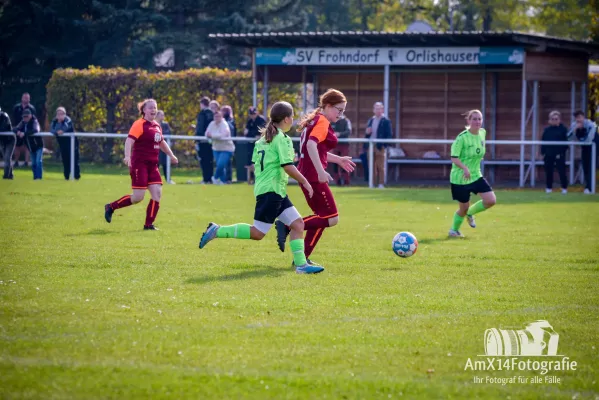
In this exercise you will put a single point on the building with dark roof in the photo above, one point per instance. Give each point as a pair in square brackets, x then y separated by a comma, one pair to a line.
[427, 80]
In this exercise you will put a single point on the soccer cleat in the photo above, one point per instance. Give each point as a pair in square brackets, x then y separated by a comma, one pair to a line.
[108, 211]
[308, 262]
[587, 191]
[457, 234]
[309, 269]
[471, 221]
[564, 191]
[209, 235]
[282, 233]
[548, 190]
[150, 228]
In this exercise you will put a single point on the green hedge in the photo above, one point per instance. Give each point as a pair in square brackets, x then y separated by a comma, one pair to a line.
[104, 100]
[593, 96]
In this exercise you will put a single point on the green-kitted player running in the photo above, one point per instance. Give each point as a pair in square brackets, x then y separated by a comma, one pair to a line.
[273, 161]
[467, 152]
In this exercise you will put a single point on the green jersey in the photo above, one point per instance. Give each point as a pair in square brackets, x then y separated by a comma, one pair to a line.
[268, 160]
[470, 149]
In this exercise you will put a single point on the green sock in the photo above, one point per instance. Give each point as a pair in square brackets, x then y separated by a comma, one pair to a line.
[476, 208]
[297, 248]
[457, 222]
[237, 231]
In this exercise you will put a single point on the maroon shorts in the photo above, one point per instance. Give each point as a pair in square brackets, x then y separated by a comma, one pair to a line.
[144, 173]
[322, 202]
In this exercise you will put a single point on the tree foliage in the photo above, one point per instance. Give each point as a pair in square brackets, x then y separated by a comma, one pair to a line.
[105, 100]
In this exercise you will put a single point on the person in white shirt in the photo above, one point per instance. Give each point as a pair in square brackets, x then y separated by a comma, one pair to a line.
[222, 146]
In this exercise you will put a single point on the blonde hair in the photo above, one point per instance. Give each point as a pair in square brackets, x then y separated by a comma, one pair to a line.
[468, 116]
[142, 105]
[555, 113]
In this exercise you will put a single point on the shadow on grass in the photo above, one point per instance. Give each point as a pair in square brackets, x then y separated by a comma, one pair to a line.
[260, 272]
[95, 232]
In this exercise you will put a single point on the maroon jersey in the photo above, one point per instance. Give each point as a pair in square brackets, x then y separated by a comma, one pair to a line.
[320, 131]
[147, 136]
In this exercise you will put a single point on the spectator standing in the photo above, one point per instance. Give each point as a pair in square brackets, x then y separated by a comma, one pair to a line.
[252, 127]
[379, 127]
[166, 131]
[227, 112]
[222, 145]
[26, 129]
[59, 126]
[555, 156]
[7, 144]
[204, 149]
[342, 129]
[17, 117]
[583, 131]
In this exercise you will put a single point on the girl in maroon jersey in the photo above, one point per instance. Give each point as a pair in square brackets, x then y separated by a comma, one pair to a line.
[141, 156]
[317, 140]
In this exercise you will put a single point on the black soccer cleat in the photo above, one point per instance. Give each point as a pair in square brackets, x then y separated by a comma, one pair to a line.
[282, 233]
[150, 228]
[108, 211]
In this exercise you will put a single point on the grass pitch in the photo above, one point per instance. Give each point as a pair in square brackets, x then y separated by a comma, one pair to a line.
[91, 310]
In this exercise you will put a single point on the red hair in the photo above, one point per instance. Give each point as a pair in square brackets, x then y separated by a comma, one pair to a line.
[329, 98]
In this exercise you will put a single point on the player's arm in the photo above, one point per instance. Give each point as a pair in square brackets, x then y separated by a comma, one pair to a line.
[167, 150]
[293, 172]
[344, 162]
[134, 133]
[456, 150]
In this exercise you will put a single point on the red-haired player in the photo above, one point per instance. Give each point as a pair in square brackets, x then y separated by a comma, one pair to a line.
[317, 139]
[141, 156]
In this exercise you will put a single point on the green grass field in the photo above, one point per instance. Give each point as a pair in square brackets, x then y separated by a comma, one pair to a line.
[91, 310]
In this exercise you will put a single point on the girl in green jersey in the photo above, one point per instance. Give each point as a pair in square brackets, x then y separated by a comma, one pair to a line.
[273, 160]
[467, 152]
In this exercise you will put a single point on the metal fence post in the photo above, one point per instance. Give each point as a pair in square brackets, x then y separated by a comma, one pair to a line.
[72, 161]
[370, 164]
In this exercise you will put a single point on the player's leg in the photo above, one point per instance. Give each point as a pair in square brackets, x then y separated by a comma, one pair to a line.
[155, 190]
[267, 209]
[460, 193]
[481, 187]
[139, 184]
[325, 210]
[292, 218]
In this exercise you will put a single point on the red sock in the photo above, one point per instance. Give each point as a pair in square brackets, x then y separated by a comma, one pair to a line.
[311, 240]
[124, 201]
[151, 212]
[313, 222]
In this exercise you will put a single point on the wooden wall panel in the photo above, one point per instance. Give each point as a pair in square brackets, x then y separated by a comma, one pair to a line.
[547, 67]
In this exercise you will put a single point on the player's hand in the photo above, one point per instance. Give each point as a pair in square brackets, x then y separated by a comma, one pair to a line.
[174, 159]
[324, 177]
[346, 163]
[466, 173]
[308, 188]
[127, 161]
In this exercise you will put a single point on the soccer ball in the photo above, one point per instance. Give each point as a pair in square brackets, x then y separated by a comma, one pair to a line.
[405, 244]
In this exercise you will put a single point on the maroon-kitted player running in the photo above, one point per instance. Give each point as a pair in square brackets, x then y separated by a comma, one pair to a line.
[141, 156]
[317, 139]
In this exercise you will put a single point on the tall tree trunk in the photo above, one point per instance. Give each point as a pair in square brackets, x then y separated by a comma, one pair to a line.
[487, 12]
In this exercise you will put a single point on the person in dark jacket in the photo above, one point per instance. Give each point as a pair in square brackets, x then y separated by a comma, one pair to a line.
[204, 149]
[379, 127]
[7, 144]
[166, 131]
[26, 129]
[252, 130]
[59, 126]
[17, 116]
[555, 156]
[584, 131]
[342, 129]
[227, 112]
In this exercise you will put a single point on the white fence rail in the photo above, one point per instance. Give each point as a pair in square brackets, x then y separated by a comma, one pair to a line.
[523, 163]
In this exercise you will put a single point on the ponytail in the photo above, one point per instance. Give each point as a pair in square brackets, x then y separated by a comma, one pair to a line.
[269, 131]
[309, 117]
